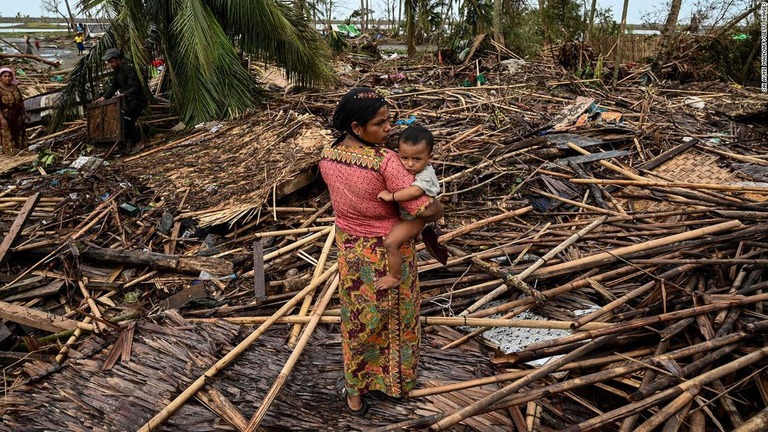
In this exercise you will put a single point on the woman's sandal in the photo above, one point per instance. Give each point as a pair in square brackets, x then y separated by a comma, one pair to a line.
[357, 413]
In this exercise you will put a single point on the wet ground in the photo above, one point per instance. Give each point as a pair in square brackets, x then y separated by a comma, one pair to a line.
[58, 49]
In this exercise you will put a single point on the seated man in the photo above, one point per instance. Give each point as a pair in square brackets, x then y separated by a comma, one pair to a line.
[127, 81]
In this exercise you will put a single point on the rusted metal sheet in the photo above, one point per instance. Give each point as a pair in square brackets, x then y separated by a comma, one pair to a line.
[105, 124]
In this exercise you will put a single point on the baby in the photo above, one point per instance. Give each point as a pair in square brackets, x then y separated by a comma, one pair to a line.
[415, 149]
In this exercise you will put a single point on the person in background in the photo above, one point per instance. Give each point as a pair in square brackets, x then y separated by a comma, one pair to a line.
[380, 329]
[13, 116]
[37, 43]
[131, 88]
[80, 42]
[28, 45]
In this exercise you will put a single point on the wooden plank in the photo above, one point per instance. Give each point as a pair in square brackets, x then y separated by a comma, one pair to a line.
[18, 224]
[290, 186]
[39, 319]
[592, 157]
[259, 287]
[48, 289]
[669, 154]
[182, 297]
[105, 124]
[219, 404]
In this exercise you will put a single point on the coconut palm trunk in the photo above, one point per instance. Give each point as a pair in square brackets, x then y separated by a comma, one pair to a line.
[617, 55]
[667, 37]
[410, 26]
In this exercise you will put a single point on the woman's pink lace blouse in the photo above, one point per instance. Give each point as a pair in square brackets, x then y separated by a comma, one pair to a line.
[355, 176]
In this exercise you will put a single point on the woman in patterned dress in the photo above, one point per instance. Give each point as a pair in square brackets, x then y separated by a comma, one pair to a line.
[13, 117]
[380, 327]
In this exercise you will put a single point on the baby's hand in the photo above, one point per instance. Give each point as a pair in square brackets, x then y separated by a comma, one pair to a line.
[385, 196]
[386, 282]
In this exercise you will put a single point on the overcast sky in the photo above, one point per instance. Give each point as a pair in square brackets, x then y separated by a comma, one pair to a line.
[637, 8]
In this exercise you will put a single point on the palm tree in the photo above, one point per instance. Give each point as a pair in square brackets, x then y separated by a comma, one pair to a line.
[202, 42]
[410, 26]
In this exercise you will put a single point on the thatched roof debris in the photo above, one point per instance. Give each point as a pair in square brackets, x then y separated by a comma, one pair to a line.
[634, 220]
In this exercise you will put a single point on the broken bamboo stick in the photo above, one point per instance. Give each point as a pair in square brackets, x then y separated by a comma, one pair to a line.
[470, 410]
[518, 280]
[613, 255]
[319, 268]
[325, 298]
[166, 412]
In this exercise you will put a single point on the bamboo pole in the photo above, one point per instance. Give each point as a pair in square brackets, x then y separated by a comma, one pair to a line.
[613, 255]
[583, 364]
[98, 326]
[90, 220]
[578, 204]
[685, 185]
[526, 303]
[756, 423]
[642, 322]
[482, 223]
[318, 270]
[425, 320]
[669, 410]
[703, 379]
[288, 232]
[290, 247]
[519, 279]
[600, 376]
[631, 295]
[677, 420]
[166, 412]
[628, 425]
[472, 409]
[325, 298]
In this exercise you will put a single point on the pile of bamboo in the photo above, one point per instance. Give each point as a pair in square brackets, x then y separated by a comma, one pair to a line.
[635, 220]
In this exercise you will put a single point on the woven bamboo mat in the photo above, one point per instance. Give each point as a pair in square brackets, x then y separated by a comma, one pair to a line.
[688, 167]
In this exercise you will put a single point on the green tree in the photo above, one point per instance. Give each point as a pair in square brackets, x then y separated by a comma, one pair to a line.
[476, 18]
[561, 20]
[202, 42]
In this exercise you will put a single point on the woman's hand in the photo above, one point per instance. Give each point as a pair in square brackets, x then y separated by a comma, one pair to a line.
[3, 121]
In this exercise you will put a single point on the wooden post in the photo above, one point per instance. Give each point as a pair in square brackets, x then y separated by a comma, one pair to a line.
[259, 285]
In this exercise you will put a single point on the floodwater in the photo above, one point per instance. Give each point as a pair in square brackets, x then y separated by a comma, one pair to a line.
[66, 55]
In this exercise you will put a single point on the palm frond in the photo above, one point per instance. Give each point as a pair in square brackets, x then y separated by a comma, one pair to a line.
[212, 83]
[274, 32]
[199, 40]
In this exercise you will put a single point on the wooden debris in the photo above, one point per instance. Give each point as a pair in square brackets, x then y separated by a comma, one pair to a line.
[634, 222]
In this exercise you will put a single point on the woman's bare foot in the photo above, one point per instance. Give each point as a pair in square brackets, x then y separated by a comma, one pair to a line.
[355, 403]
[386, 282]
